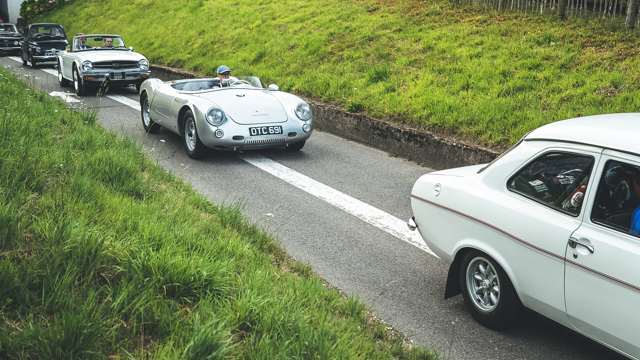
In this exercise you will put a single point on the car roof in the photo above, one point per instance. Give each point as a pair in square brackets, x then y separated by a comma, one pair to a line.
[45, 24]
[611, 131]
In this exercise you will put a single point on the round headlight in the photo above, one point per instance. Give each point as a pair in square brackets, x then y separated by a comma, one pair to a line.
[37, 49]
[216, 117]
[16, 43]
[303, 112]
[143, 64]
[87, 66]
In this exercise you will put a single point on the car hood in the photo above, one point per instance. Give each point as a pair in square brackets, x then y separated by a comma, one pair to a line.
[109, 55]
[51, 44]
[247, 106]
[10, 35]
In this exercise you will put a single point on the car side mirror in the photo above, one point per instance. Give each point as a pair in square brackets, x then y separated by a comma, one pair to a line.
[273, 87]
[131, 48]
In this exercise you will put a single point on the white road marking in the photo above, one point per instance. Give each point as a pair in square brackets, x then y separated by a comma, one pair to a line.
[135, 105]
[15, 58]
[363, 211]
[70, 98]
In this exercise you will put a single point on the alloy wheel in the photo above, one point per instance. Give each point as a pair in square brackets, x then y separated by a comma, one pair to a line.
[483, 284]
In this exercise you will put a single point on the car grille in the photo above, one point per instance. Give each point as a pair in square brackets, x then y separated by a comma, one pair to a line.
[115, 65]
[8, 42]
[274, 141]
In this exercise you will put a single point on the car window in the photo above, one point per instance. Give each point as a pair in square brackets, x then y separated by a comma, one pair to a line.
[617, 203]
[558, 180]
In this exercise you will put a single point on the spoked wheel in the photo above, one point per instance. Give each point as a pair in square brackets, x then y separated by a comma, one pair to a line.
[192, 144]
[488, 292]
[149, 125]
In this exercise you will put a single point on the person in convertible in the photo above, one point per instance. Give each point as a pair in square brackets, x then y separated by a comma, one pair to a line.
[224, 74]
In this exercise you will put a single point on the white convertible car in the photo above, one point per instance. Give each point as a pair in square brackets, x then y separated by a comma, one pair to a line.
[553, 224]
[96, 59]
[233, 114]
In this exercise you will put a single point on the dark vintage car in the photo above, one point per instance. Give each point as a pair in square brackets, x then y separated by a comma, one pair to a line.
[42, 43]
[10, 39]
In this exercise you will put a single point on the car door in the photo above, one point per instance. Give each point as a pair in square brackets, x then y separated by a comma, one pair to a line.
[538, 210]
[163, 105]
[602, 276]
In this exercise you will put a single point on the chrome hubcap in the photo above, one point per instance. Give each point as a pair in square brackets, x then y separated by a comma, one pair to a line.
[483, 284]
[190, 135]
[145, 113]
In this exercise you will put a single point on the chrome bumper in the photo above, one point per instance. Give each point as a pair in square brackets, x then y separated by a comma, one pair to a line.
[116, 76]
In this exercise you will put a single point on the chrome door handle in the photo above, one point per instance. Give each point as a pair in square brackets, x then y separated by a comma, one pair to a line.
[574, 243]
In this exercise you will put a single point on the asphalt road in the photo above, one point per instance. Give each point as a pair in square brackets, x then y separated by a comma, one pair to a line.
[322, 204]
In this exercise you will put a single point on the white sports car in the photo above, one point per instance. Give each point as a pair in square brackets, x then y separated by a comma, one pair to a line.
[553, 224]
[233, 114]
[96, 59]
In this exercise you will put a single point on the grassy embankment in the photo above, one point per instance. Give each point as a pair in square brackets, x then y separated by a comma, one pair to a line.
[102, 254]
[486, 77]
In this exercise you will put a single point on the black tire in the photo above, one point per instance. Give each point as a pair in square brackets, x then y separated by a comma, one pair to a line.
[79, 86]
[138, 85]
[504, 312]
[61, 80]
[190, 139]
[149, 125]
[295, 147]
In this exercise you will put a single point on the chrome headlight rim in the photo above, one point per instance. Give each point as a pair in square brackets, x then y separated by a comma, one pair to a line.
[87, 65]
[216, 117]
[303, 112]
[143, 64]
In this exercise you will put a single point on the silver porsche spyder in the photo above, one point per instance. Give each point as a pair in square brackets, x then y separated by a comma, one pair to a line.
[232, 114]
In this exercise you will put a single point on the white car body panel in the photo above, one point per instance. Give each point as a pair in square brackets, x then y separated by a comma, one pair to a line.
[530, 240]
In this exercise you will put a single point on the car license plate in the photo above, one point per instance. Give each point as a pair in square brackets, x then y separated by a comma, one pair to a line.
[117, 75]
[265, 130]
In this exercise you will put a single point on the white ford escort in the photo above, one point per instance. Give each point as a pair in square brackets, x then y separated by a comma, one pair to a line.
[553, 225]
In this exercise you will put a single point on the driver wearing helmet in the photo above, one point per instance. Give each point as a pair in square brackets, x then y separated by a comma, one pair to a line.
[224, 74]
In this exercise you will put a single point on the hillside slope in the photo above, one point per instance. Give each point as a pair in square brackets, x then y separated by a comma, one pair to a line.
[482, 76]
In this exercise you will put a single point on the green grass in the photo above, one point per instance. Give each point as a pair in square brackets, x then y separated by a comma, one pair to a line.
[481, 76]
[104, 255]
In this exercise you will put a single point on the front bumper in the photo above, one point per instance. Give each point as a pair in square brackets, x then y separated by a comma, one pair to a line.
[237, 137]
[9, 48]
[116, 76]
[45, 58]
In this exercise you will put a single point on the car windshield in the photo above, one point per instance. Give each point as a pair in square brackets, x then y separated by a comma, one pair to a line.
[46, 31]
[97, 42]
[8, 28]
[244, 82]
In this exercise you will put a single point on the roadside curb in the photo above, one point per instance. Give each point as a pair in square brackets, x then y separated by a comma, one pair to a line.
[417, 145]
